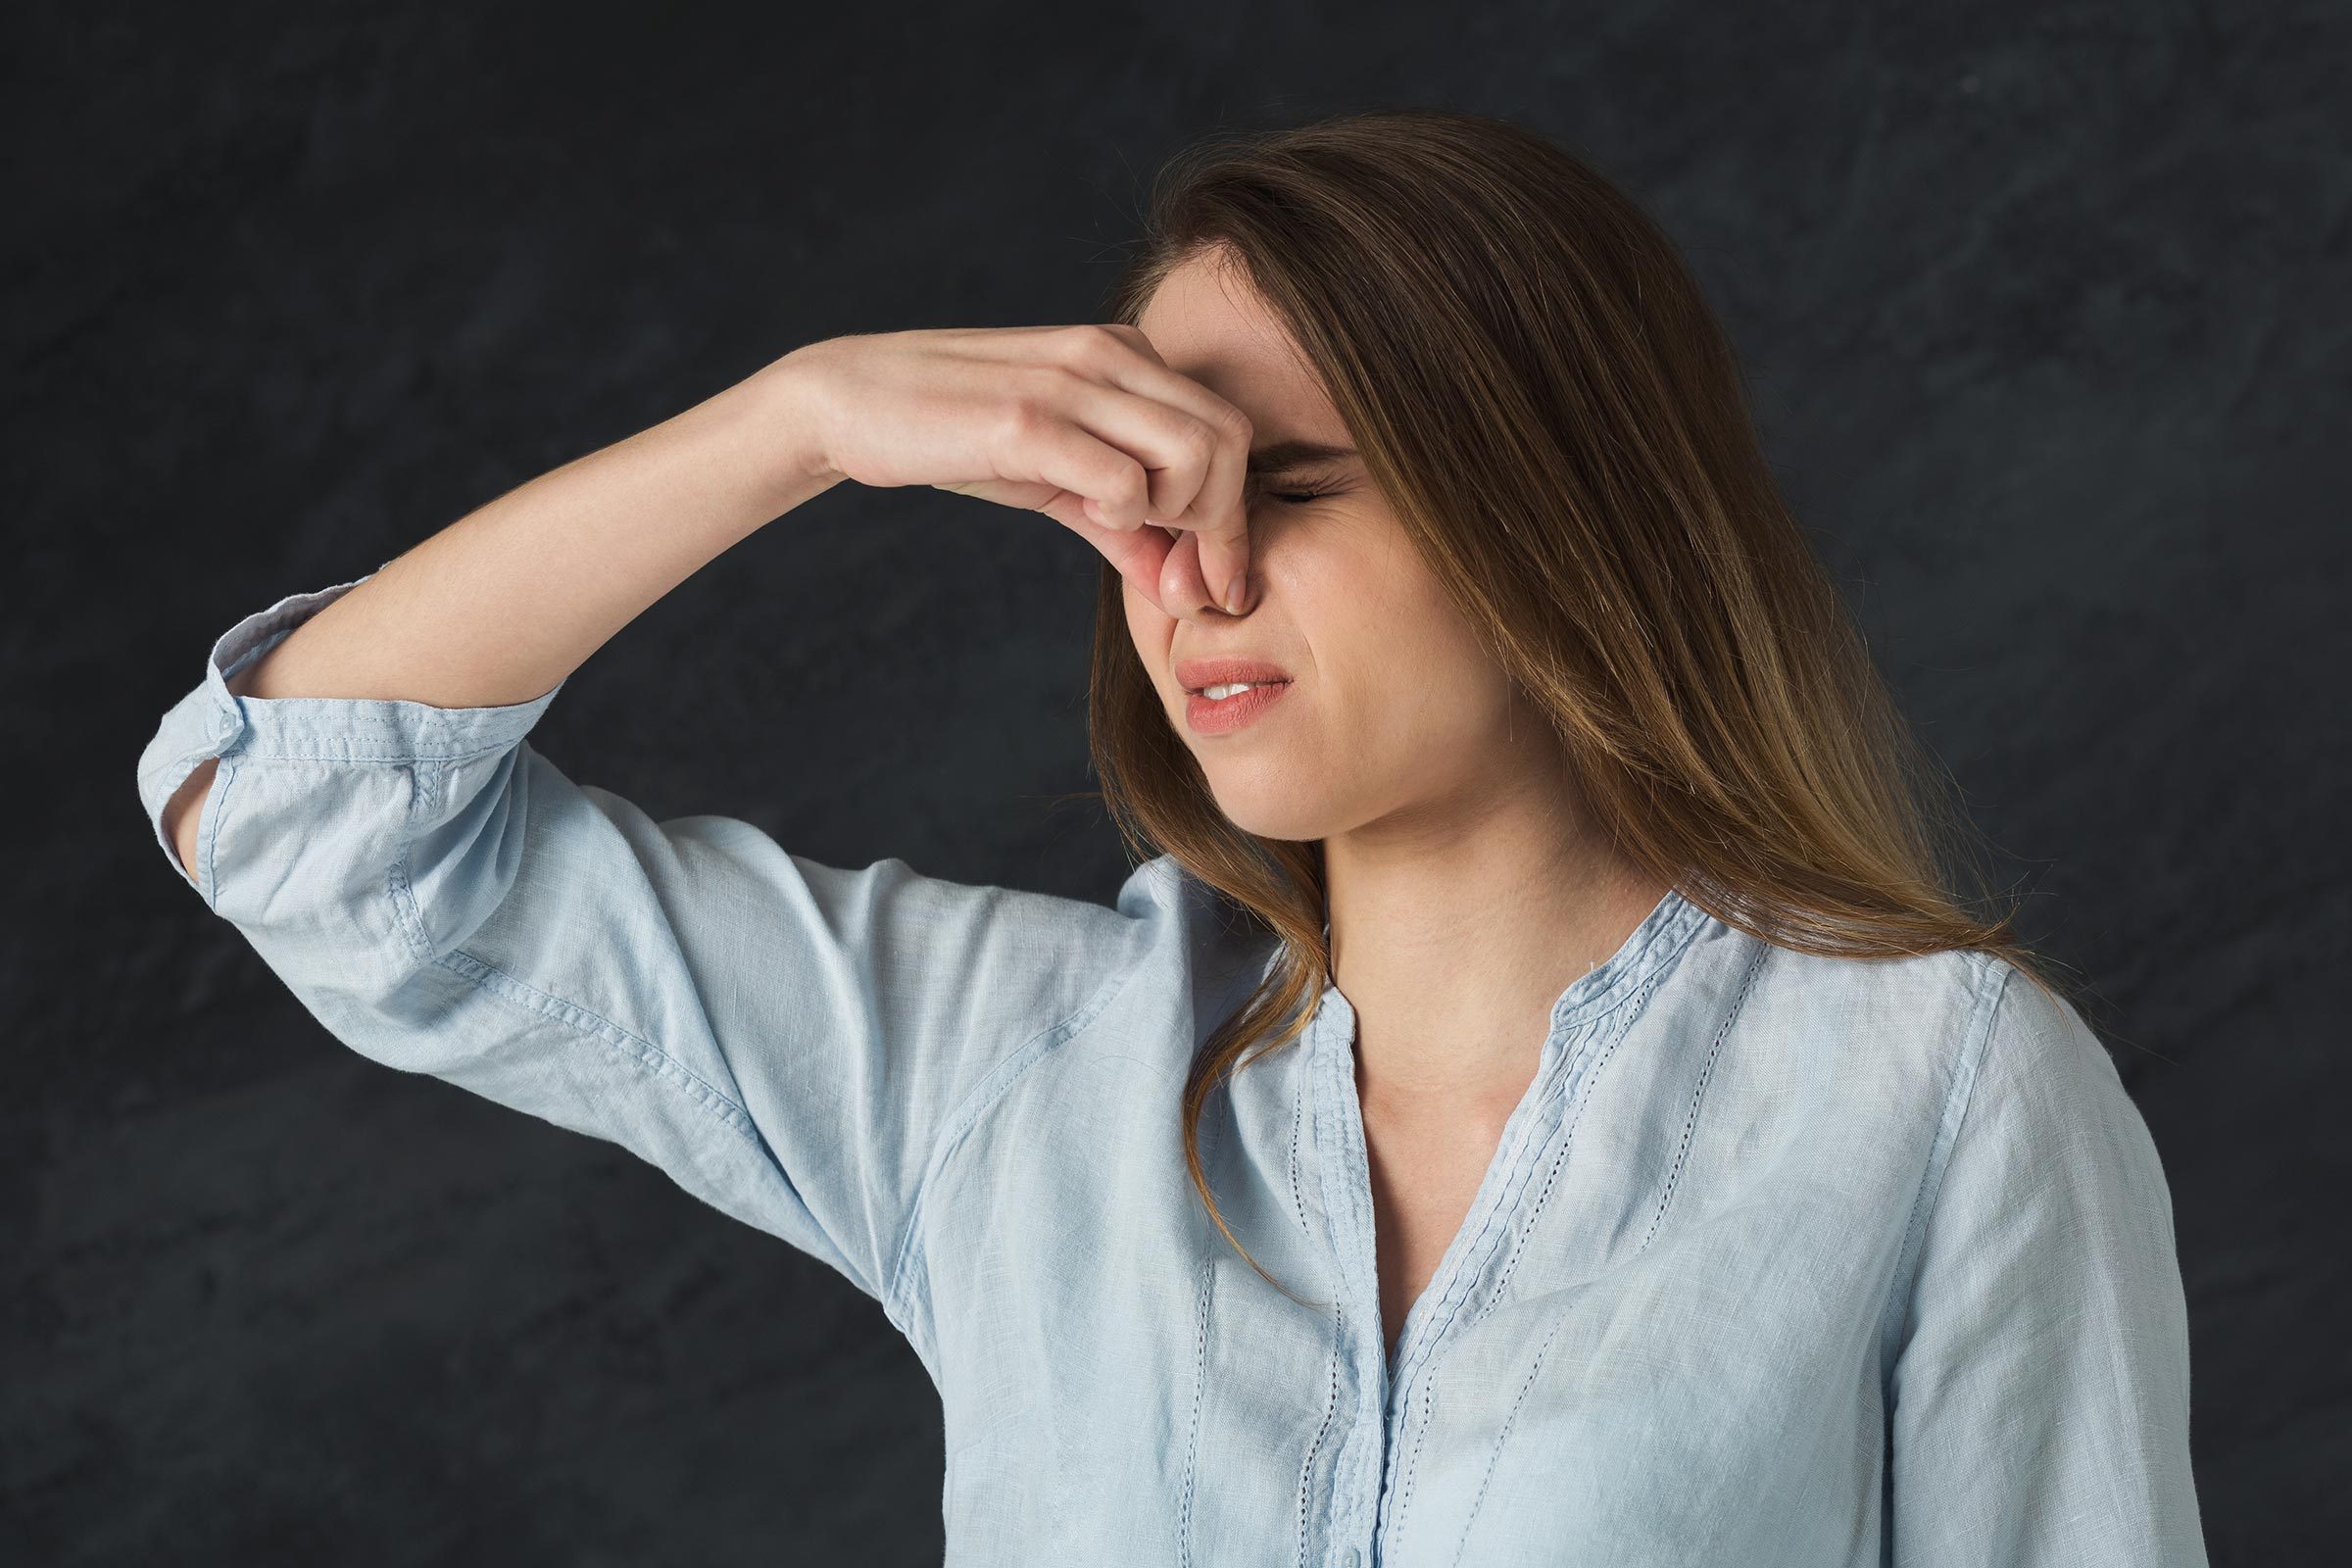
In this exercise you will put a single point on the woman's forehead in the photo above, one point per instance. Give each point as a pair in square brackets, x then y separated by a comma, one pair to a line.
[1206, 323]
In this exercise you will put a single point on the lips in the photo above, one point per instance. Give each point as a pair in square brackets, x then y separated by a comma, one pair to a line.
[1196, 675]
[1222, 715]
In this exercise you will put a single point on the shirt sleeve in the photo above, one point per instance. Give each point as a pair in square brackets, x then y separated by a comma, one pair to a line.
[2039, 1394]
[786, 1040]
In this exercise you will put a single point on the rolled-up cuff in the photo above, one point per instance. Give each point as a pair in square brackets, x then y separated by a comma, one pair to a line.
[212, 720]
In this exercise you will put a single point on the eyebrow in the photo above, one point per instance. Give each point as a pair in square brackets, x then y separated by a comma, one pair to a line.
[1281, 456]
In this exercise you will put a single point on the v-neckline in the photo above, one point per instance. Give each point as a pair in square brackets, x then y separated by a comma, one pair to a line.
[1364, 1258]
[1347, 1189]
[1485, 1134]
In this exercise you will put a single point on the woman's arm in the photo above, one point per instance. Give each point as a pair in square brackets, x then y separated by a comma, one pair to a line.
[507, 601]
[1083, 423]
[792, 1042]
[2039, 1391]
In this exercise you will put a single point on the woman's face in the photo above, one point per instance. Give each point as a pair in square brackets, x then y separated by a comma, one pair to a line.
[1394, 719]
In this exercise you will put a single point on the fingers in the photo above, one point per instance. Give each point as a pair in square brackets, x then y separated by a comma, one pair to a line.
[1115, 487]
[1196, 463]
[1162, 558]
[1140, 553]
[1117, 440]
[1182, 583]
[1169, 449]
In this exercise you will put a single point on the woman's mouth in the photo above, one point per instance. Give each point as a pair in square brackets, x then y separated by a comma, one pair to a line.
[1221, 709]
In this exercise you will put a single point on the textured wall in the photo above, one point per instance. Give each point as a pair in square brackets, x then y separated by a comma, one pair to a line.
[2046, 309]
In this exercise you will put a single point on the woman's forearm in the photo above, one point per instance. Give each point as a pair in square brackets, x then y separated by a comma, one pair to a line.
[509, 599]
[501, 605]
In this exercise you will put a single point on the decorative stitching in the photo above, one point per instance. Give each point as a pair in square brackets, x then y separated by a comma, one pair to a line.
[1298, 1098]
[1192, 1447]
[1502, 1437]
[497, 982]
[1559, 1158]
[1351, 1168]
[1641, 969]
[1330, 1402]
[1640, 1000]
[1413, 1464]
[1698, 1095]
[420, 735]
[398, 757]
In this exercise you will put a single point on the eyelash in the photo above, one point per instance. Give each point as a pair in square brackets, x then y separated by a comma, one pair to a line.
[1296, 497]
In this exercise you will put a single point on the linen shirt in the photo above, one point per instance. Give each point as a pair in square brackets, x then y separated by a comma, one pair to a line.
[1781, 1259]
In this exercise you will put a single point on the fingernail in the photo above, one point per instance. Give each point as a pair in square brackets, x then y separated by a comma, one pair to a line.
[1234, 591]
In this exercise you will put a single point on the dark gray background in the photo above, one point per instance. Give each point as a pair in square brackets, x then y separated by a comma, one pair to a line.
[2046, 309]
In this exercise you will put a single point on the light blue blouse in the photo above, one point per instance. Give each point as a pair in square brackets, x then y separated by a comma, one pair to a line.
[1782, 1260]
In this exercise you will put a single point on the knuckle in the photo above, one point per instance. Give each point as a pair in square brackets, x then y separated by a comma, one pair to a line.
[1088, 345]
[1130, 339]
[1201, 440]
[1021, 419]
[1129, 486]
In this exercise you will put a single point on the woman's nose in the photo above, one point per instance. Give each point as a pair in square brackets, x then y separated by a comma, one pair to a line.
[1184, 591]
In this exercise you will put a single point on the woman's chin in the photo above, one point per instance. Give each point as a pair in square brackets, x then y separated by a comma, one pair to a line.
[1261, 816]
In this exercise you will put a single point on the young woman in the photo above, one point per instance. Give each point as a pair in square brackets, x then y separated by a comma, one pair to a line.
[1538, 1100]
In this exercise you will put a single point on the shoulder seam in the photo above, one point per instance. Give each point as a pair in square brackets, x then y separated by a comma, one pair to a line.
[1992, 986]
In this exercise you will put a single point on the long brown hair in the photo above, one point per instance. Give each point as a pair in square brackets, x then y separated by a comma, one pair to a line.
[1558, 421]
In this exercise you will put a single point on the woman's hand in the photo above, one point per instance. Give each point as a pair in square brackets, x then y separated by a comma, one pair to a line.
[1083, 423]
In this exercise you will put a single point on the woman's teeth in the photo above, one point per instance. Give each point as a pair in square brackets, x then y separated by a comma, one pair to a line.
[1215, 693]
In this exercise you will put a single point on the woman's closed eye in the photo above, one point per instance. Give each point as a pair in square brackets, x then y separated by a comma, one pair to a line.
[1296, 498]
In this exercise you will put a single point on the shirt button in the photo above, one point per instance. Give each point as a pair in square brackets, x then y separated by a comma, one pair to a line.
[1352, 1558]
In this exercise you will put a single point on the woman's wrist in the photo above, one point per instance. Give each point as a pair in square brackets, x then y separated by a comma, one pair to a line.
[787, 396]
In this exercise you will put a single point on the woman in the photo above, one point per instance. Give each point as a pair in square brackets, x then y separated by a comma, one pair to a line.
[1536, 1102]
